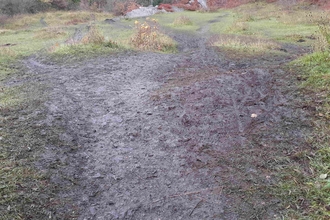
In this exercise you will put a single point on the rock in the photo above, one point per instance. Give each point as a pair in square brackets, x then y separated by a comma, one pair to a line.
[92, 210]
[142, 12]
[109, 21]
[98, 175]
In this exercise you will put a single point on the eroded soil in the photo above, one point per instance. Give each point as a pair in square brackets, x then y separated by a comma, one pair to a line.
[169, 136]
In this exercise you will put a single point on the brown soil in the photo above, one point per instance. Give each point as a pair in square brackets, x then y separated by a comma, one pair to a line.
[170, 136]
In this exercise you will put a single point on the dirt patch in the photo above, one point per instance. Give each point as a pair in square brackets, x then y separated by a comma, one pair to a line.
[166, 136]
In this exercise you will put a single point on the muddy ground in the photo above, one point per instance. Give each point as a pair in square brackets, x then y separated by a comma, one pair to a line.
[191, 135]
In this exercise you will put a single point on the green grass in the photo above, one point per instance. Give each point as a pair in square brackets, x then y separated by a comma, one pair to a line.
[24, 191]
[316, 71]
[276, 22]
[306, 188]
[75, 53]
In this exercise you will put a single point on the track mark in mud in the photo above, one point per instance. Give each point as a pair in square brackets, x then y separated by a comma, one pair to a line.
[159, 134]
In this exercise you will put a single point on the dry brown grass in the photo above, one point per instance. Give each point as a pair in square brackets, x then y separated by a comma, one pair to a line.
[182, 20]
[238, 26]
[4, 31]
[246, 43]
[282, 13]
[93, 36]
[147, 36]
[7, 51]
[322, 43]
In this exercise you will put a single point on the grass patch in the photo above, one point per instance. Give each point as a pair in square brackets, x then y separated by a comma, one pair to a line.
[73, 53]
[246, 43]
[28, 34]
[316, 78]
[25, 192]
[276, 22]
[50, 32]
[54, 19]
[92, 43]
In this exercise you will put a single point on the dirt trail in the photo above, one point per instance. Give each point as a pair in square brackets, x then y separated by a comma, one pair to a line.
[153, 134]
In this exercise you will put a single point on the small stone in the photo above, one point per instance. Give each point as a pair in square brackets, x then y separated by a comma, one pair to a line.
[323, 176]
[92, 210]
[98, 175]
[43, 132]
[254, 115]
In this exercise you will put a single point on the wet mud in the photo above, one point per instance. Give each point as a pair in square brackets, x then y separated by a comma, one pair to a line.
[164, 136]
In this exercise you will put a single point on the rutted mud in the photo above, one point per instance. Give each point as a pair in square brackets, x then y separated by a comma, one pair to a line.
[154, 134]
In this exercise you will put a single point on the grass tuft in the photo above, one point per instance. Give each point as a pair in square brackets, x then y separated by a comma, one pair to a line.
[147, 36]
[182, 20]
[93, 36]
